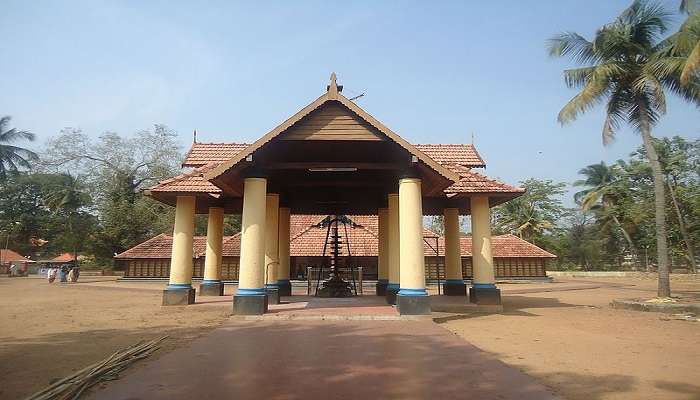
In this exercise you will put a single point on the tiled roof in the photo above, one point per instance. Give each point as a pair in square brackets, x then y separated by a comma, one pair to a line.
[473, 182]
[460, 154]
[65, 257]
[506, 246]
[306, 239]
[8, 256]
[161, 247]
[191, 181]
[204, 153]
[459, 158]
[453, 154]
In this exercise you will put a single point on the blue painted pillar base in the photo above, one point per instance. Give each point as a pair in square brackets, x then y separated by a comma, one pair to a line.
[178, 295]
[284, 287]
[392, 289]
[454, 287]
[413, 302]
[211, 288]
[485, 294]
[381, 287]
[250, 302]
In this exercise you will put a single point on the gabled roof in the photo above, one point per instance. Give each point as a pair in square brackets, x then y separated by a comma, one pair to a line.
[466, 155]
[332, 95]
[306, 240]
[8, 256]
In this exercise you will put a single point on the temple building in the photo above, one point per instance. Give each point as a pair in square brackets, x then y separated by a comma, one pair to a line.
[513, 257]
[332, 158]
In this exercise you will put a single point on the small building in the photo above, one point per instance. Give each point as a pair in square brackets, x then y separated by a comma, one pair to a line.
[9, 258]
[514, 258]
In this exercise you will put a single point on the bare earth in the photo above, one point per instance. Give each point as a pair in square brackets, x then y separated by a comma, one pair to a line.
[563, 334]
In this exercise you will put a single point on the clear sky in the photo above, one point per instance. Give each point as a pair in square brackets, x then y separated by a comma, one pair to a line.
[433, 73]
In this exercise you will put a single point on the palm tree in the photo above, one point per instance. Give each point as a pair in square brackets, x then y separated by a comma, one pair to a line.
[12, 158]
[622, 70]
[602, 192]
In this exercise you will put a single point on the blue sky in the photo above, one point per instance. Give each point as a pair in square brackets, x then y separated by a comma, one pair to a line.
[434, 73]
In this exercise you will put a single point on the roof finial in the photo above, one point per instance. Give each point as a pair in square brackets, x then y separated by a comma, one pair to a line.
[472, 138]
[194, 136]
[333, 88]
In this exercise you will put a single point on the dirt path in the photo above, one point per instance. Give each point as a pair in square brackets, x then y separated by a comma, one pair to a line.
[49, 331]
[572, 341]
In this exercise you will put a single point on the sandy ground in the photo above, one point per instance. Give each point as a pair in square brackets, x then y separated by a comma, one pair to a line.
[48, 331]
[572, 341]
[563, 333]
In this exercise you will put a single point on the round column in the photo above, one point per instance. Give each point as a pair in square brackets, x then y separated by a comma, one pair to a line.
[483, 290]
[211, 284]
[393, 252]
[250, 298]
[412, 299]
[285, 286]
[454, 283]
[179, 290]
[383, 251]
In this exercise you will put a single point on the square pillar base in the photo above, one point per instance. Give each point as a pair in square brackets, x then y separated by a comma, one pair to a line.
[178, 297]
[413, 305]
[273, 295]
[250, 305]
[391, 295]
[284, 288]
[381, 288]
[454, 289]
[485, 296]
[211, 289]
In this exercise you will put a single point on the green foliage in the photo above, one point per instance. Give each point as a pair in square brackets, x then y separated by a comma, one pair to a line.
[13, 158]
[535, 214]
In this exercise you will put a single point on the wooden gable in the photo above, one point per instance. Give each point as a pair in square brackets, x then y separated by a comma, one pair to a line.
[332, 121]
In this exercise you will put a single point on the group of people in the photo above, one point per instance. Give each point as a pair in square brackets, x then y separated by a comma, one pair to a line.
[66, 273]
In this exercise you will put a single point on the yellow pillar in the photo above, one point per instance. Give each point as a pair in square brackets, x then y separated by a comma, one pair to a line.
[211, 284]
[393, 252]
[283, 282]
[482, 260]
[179, 290]
[412, 298]
[454, 283]
[183, 232]
[251, 279]
[483, 289]
[383, 251]
[272, 256]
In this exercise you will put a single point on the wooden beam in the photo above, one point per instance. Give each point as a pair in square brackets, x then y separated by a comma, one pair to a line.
[322, 165]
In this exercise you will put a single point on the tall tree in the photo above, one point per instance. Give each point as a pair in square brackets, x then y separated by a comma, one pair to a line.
[13, 158]
[622, 69]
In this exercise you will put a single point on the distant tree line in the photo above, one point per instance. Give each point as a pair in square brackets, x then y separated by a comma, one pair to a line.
[612, 226]
[85, 196]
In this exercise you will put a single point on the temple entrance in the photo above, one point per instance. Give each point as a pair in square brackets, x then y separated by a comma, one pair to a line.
[333, 158]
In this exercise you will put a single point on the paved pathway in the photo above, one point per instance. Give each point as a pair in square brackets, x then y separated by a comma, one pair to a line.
[326, 360]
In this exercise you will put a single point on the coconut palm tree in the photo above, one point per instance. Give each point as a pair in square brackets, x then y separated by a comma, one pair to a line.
[621, 69]
[602, 191]
[12, 158]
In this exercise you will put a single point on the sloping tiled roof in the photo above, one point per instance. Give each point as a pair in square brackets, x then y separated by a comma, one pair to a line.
[453, 154]
[471, 181]
[204, 153]
[306, 239]
[8, 256]
[65, 257]
[161, 247]
[192, 182]
[459, 158]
